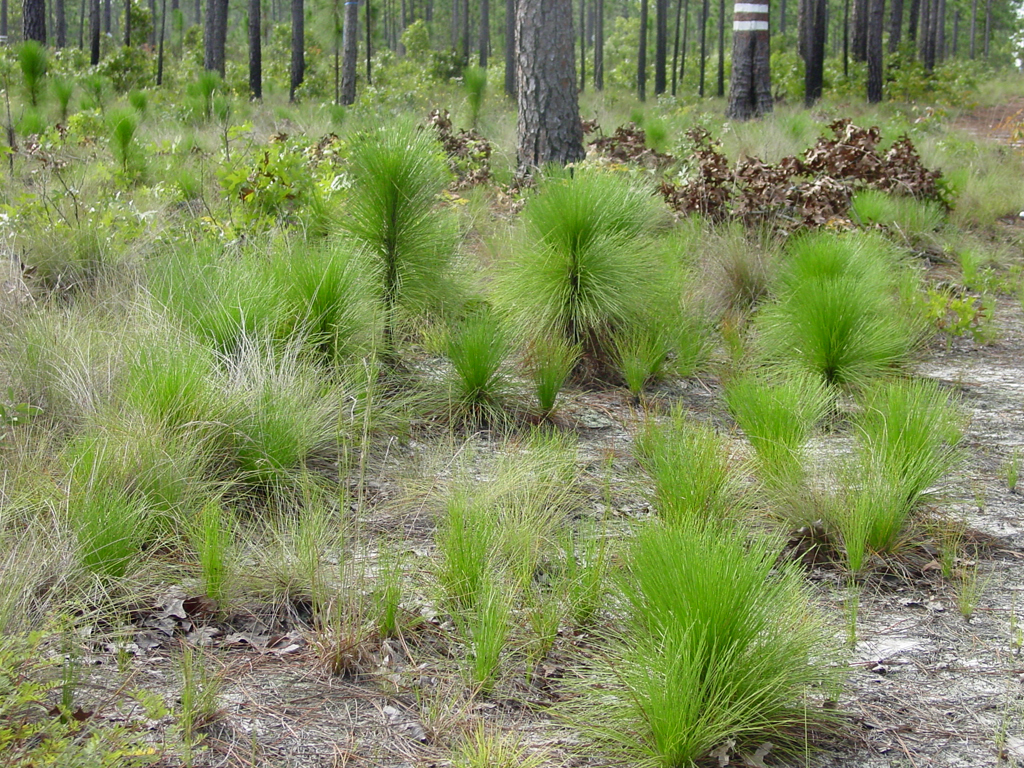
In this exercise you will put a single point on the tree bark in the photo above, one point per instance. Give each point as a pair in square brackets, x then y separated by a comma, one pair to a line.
[3, 19]
[703, 45]
[465, 33]
[127, 23]
[782, 17]
[814, 70]
[160, 50]
[298, 68]
[94, 32]
[350, 53]
[940, 30]
[215, 35]
[913, 19]
[641, 56]
[675, 46]
[510, 48]
[255, 51]
[988, 26]
[895, 25]
[485, 31]
[33, 17]
[61, 30]
[660, 46]
[583, 46]
[956, 32]
[750, 86]
[876, 25]
[548, 129]
[107, 16]
[599, 45]
[859, 30]
[721, 49]
[974, 26]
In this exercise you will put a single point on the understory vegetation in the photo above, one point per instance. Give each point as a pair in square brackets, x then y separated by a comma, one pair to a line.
[344, 379]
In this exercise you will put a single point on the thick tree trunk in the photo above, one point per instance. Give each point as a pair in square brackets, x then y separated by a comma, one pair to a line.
[61, 26]
[721, 49]
[485, 31]
[255, 50]
[350, 48]
[33, 17]
[215, 35]
[913, 18]
[927, 38]
[750, 86]
[599, 45]
[548, 129]
[895, 25]
[510, 48]
[94, 32]
[641, 56]
[876, 26]
[298, 69]
[660, 46]
[814, 70]
[859, 30]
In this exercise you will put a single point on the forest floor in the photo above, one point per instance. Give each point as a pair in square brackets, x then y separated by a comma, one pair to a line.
[928, 685]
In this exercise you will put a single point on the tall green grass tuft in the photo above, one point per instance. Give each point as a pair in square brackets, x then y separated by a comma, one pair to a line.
[397, 174]
[908, 216]
[778, 414]
[586, 270]
[721, 643]
[110, 526]
[474, 83]
[550, 362]
[123, 125]
[478, 348]
[62, 88]
[693, 479]
[839, 315]
[32, 60]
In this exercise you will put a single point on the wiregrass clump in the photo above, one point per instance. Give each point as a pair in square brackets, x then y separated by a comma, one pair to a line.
[479, 388]
[721, 642]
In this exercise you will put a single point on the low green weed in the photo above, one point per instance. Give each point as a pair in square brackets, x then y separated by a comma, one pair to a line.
[960, 315]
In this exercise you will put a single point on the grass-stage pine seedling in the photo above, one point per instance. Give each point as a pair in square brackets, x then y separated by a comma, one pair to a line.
[487, 629]
[478, 388]
[721, 642]
[839, 315]
[474, 82]
[691, 469]
[111, 528]
[32, 60]
[124, 123]
[397, 174]
[466, 537]
[550, 361]
[778, 414]
[213, 536]
[586, 270]
[62, 88]
[910, 217]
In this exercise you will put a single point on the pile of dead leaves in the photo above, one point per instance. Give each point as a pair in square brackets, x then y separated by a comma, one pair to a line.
[627, 145]
[469, 153]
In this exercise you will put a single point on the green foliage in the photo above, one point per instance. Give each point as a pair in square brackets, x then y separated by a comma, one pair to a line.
[127, 68]
[33, 61]
[778, 414]
[123, 125]
[213, 539]
[487, 628]
[96, 88]
[550, 362]
[170, 378]
[839, 315]
[586, 271]
[477, 349]
[958, 315]
[111, 528]
[907, 216]
[689, 463]
[466, 538]
[32, 122]
[474, 83]
[62, 88]
[139, 101]
[722, 644]
[397, 174]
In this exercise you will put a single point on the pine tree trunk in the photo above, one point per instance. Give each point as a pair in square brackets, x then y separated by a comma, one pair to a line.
[81, 23]
[913, 19]
[815, 46]
[465, 33]
[127, 23]
[859, 30]
[3, 20]
[94, 32]
[255, 51]
[956, 32]
[369, 43]
[974, 26]
[599, 45]
[895, 25]
[876, 26]
[703, 45]
[660, 46]
[510, 48]
[107, 16]
[940, 31]
[583, 46]
[350, 53]
[61, 25]
[215, 35]
[160, 49]
[721, 48]
[988, 26]
[548, 129]
[298, 68]
[485, 31]
[782, 17]
[33, 18]
[675, 47]
[686, 41]
[750, 85]
[641, 57]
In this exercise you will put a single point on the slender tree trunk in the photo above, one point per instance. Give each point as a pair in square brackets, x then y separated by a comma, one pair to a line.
[974, 26]
[465, 33]
[895, 25]
[127, 23]
[160, 49]
[350, 46]
[33, 18]
[485, 31]
[703, 45]
[940, 31]
[956, 32]
[81, 24]
[197, 11]
[686, 41]
[846, 38]
[675, 46]
[859, 30]
[152, 16]
[926, 43]
[913, 19]
[255, 51]
[583, 46]
[815, 47]
[721, 48]
[3, 20]
[510, 48]
[641, 57]
[548, 128]
[94, 32]
[298, 69]
[660, 46]
[107, 16]
[750, 86]
[876, 26]
[782, 17]
[599, 45]
[988, 26]
[61, 24]
[456, 4]
[368, 16]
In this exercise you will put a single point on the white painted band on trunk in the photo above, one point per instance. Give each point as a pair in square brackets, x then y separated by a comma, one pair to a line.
[750, 8]
[750, 26]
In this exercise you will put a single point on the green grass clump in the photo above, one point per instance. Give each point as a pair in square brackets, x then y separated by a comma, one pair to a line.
[586, 271]
[778, 414]
[124, 123]
[474, 83]
[62, 88]
[550, 362]
[910, 217]
[839, 314]
[32, 60]
[721, 643]
[397, 174]
[693, 478]
[478, 348]
[111, 527]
